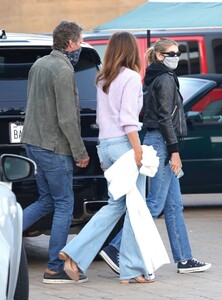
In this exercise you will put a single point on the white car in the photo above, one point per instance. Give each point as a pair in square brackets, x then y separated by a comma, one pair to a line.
[14, 269]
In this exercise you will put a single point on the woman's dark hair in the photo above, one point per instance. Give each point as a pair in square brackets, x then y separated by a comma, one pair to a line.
[122, 51]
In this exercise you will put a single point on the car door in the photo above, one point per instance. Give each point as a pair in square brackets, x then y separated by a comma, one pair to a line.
[201, 150]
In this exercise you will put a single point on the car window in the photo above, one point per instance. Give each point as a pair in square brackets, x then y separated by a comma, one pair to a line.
[13, 93]
[86, 83]
[217, 49]
[210, 106]
[15, 65]
[189, 62]
[100, 48]
[213, 111]
[190, 87]
[85, 72]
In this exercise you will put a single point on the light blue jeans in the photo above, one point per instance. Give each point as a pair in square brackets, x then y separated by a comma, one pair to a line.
[165, 195]
[55, 185]
[84, 247]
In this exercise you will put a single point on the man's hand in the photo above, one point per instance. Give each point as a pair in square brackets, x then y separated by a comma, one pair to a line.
[83, 163]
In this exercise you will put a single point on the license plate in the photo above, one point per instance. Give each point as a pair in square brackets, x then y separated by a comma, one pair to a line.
[15, 132]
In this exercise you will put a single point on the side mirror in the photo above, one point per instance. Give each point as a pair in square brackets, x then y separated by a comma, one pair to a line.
[16, 167]
[194, 116]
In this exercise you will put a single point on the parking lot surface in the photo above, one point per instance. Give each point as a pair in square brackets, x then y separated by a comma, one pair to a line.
[205, 232]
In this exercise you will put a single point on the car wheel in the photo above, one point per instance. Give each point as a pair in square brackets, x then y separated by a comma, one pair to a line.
[22, 287]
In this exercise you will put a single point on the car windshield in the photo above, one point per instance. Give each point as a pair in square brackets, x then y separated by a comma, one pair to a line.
[14, 68]
[190, 86]
[15, 62]
[13, 93]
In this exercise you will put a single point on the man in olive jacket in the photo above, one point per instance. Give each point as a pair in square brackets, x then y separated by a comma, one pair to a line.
[53, 139]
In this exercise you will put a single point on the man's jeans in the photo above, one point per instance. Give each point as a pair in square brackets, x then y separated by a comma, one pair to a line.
[55, 185]
[84, 247]
[165, 195]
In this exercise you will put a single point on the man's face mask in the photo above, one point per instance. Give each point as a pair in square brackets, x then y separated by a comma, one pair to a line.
[73, 56]
[171, 62]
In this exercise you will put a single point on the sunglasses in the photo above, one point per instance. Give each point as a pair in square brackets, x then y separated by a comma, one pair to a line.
[172, 53]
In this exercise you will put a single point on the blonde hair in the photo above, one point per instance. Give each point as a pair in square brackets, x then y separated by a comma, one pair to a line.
[122, 51]
[160, 45]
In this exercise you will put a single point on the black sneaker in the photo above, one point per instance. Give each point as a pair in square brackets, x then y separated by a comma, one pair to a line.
[111, 256]
[62, 277]
[192, 265]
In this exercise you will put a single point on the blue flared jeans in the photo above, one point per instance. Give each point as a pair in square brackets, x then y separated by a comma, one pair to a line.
[84, 247]
[54, 179]
[165, 195]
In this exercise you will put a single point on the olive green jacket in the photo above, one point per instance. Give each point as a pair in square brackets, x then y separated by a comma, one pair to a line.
[52, 119]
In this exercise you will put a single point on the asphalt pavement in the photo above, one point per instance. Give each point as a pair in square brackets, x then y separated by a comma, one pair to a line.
[205, 232]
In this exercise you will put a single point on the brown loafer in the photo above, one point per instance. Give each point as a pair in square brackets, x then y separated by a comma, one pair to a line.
[50, 272]
[70, 266]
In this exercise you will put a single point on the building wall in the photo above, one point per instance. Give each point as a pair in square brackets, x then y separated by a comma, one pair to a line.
[41, 16]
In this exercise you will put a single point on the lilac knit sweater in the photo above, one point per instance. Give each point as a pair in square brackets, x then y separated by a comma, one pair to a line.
[118, 111]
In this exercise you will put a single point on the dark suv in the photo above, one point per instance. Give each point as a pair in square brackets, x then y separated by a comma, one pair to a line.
[17, 54]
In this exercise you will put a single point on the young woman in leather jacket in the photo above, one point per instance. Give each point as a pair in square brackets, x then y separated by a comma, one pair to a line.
[165, 122]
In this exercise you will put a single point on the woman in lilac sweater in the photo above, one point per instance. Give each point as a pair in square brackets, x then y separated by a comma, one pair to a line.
[120, 97]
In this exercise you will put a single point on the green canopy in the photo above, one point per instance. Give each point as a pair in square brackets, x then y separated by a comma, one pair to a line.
[169, 15]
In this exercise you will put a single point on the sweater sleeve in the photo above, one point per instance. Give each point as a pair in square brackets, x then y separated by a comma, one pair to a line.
[131, 104]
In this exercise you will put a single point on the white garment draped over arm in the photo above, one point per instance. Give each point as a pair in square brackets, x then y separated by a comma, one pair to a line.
[122, 177]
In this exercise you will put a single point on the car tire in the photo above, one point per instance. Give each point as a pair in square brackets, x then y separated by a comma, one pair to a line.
[22, 287]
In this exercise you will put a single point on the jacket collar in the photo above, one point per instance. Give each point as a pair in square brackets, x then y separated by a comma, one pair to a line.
[156, 69]
[62, 56]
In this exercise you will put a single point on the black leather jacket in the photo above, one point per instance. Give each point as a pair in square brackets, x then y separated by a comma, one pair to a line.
[163, 104]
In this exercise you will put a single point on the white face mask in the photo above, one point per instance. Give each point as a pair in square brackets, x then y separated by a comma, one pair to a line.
[171, 62]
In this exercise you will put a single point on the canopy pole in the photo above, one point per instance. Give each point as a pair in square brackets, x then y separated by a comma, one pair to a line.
[148, 39]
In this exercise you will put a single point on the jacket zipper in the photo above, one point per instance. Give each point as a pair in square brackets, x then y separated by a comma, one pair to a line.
[174, 110]
[181, 131]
